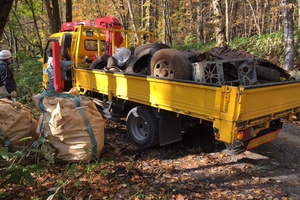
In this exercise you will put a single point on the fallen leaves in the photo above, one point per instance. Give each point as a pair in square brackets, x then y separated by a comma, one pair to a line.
[174, 172]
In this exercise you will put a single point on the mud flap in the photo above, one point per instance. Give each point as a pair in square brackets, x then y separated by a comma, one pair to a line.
[169, 127]
[262, 139]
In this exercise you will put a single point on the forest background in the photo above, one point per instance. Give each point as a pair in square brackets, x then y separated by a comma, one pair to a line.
[266, 28]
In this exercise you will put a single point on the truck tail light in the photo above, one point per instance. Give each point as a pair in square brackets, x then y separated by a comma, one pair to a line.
[244, 134]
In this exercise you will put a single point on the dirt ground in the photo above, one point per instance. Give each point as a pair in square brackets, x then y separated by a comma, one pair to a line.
[186, 170]
[195, 169]
[282, 157]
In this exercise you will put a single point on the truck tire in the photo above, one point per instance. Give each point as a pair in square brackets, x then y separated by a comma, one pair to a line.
[143, 127]
[100, 62]
[141, 48]
[267, 73]
[170, 63]
[141, 63]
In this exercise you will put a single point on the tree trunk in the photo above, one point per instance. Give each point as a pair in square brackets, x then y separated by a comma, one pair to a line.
[148, 15]
[298, 14]
[218, 24]
[4, 13]
[264, 15]
[131, 15]
[53, 15]
[142, 14]
[56, 15]
[39, 43]
[68, 10]
[226, 21]
[288, 25]
[167, 23]
[122, 14]
[198, 21]
[132, 19]
[255, 19]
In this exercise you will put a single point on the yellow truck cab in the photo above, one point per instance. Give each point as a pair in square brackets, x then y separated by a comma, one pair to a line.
[82, 46]
[159, 103]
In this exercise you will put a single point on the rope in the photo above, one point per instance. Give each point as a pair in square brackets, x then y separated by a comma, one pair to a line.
[79, 109]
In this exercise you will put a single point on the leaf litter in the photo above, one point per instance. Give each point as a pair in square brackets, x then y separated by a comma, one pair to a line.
[190, 169]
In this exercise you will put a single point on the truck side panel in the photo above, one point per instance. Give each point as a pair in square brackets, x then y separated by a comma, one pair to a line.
[164, 94]
[231, 109]
[191, 99]
[271, 101]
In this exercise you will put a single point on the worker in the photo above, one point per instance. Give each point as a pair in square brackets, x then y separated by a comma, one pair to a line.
[50, 84]
[65, 65]
[7, 80]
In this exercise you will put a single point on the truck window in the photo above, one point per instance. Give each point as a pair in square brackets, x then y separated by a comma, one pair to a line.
[48, 46]
[92, 45]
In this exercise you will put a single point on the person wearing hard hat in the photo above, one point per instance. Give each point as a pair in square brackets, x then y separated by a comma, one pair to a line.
[6, 75]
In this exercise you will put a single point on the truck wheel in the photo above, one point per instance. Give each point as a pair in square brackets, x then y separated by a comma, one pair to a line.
[141, 48]
[100, 62]
[140, 63]
[143, 127]
[267, 73]
[170, 63]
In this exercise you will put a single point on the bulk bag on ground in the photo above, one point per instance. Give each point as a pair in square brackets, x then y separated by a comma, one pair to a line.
[72, 124]
[17, 125]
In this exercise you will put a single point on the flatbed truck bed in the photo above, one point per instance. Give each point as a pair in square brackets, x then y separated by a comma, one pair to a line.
[230, 109]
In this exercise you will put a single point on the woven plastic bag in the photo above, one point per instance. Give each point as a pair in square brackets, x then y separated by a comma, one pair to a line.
[72, 124]
[17, 125]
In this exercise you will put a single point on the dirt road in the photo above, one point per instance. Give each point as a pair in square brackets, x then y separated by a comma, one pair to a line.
[193, 169]
[281, 160]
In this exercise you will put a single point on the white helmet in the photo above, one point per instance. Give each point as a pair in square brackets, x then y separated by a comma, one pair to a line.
[5, 54]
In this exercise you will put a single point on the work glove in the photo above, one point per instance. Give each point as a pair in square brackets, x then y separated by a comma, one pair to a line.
[14, 94]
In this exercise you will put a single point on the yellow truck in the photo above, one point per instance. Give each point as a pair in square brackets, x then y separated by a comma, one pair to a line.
[161, 92]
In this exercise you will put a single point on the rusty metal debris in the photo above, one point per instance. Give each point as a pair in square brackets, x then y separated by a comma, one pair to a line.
[226, 66]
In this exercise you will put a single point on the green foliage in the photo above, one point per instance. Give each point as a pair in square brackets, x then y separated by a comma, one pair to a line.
[13, 171]
[189, 38]
[199, 47]
[297, 40]
[58, 191]
[29, 79]
[268, 46]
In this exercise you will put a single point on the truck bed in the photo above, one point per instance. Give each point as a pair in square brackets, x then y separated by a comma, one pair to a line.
[229, 108]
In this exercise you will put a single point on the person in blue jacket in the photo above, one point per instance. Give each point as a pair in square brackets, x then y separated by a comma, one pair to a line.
[65, 65]
[6, 75]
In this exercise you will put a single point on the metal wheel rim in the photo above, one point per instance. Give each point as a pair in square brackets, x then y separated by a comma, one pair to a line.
[141, 128]
[163, 68]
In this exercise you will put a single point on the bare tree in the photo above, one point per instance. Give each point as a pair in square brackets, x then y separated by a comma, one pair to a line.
[218, 24]
[36, 28]
[53, 15]
[167, 23]
[298, 14]
[255, 18]
[288, 24]
[4, 13]
[226, 20]
[68, 10]
[199, 20]
[142, 14]
[120, 8]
